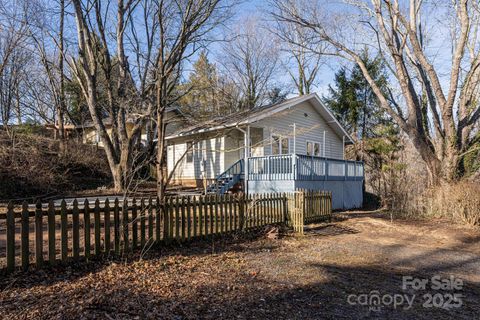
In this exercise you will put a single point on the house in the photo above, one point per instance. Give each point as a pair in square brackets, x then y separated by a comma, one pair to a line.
[90, 135]
[295, 144]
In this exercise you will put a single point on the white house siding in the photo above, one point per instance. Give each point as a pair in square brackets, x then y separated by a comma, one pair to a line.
[310, 126]
[257, 142]
[233, 147]
[208, 158]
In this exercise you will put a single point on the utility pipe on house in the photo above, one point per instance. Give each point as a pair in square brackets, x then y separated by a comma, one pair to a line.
[324, 144]
[294, 138]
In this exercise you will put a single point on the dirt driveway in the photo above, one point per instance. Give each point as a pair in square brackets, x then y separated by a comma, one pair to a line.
[335, 271]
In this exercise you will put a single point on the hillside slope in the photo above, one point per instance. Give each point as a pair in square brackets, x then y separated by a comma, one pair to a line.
[30, 166]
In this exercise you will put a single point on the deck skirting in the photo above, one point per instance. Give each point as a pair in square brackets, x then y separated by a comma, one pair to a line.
[346, 194]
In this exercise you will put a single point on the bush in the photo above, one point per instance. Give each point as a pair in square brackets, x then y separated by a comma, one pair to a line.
[459, 202]
[30, 166]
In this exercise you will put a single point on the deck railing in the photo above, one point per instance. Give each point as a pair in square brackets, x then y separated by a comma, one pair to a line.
[303, 167]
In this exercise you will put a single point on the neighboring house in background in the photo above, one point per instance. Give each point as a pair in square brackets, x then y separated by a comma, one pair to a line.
[296, 144]
[90, 135]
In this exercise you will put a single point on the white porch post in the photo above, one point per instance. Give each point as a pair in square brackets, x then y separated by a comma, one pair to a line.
[247, 155]
[324, 151]
[294, 138]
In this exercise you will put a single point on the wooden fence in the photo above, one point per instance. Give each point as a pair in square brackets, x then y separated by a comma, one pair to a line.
[317, 205]
[49, 234]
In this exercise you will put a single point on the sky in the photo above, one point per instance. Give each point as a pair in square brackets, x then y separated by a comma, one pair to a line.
[327, 72]
[437, 36]
[260, 8]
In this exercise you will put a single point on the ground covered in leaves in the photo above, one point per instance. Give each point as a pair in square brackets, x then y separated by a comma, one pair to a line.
[318, 276]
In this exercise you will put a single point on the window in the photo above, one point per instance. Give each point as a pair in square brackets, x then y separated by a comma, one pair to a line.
[313, 148]
[280, 145]
[189, 151]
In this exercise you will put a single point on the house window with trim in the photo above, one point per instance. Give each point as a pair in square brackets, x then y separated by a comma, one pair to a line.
[280, 145]
[313, 148]
[189, 152]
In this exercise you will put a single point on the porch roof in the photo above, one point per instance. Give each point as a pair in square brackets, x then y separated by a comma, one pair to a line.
[256, 114]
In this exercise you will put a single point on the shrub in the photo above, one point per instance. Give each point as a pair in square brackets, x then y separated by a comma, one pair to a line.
[459, 202]
[31, 166]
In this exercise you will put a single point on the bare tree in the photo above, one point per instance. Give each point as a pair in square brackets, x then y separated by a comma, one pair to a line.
[124, 101]
[250, 60]
[61, 107]
[13, 57]
[12, 86]
[183, 29]
[439, 114]
[301, 49]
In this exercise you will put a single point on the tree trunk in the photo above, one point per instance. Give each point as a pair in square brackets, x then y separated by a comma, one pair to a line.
[160, 148]
[61, 104]
[117, 176]
[450, 164]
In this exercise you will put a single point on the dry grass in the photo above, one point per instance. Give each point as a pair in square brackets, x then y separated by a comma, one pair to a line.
[459, 202]
[30, 165]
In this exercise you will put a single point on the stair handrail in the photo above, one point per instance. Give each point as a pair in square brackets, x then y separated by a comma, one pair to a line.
[235, 165]
[235, 170]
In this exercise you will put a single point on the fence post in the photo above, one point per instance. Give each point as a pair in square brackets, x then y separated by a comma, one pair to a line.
[38, 234]
[75, 231]
[189, 218]
[25, 236]
[170, 218]
[200, 215]
[177, 218]
[161, 213]
[125, 222]
[10, 238]
[194, 215]
[134, 224]
[183, 218]
[206, 215]
[150, 220]
[116, 228]
[86, 229]
[51, 233]
[216, 213]
[142, 223]
[106, 224]
[301, 212]
[241, 205]
[96, 220]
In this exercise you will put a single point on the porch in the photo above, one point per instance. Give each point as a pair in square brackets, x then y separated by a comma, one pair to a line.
[291, 172]
[303, 168]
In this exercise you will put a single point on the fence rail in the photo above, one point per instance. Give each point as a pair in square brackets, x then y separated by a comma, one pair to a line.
[49, 235]
[303, 167]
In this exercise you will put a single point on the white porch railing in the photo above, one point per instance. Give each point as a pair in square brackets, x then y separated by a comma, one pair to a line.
[303, 167]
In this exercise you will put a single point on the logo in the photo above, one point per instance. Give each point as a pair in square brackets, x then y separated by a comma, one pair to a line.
[443, 293]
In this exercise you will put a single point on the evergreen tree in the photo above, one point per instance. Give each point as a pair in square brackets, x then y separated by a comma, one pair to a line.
[201, 96]
[353, 101]
[378, 140]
